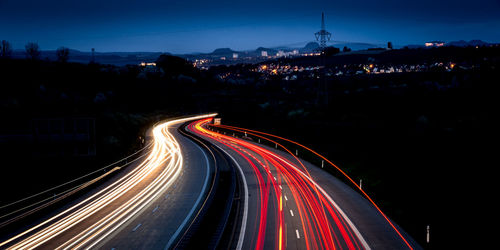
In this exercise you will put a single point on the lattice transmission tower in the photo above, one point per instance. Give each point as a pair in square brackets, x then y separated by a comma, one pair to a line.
[322, 36]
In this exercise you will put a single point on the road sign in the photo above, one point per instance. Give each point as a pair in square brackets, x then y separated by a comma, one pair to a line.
[217, 121]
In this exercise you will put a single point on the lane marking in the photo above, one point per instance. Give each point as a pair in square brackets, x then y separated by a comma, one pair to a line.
[245, 203]
[286, 198]
[152, 196]
[329, 198]
[156, 208]
[191, 212]
[109, 194]
[291, 212]
[297, 232]
[136, 227]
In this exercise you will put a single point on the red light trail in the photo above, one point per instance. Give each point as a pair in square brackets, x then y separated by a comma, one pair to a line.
[259, 134]
[323, 224]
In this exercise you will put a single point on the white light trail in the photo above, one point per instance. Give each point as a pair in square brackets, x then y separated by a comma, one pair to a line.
[134, 191]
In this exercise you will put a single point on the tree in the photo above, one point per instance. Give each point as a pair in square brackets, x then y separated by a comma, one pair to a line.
[174, 66]
[330, 51]
[5, 49]
[346, 49]
[32, 50]
[62, 54]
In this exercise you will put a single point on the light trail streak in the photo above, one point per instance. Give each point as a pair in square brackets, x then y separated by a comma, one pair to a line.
[264, 184]
[132, 192]
[259, 135]
[323, 225]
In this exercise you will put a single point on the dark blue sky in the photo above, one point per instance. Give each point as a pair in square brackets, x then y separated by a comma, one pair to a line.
[180, 26]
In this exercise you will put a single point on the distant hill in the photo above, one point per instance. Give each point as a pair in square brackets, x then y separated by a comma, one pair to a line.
[223, 51]
[473, 43]
[357, 45]
[310, 47]
[258, 51]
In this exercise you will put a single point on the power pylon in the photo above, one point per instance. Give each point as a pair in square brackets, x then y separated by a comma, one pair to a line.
[322, 36]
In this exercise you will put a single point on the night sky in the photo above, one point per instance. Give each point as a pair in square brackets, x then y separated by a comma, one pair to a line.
[203, 25]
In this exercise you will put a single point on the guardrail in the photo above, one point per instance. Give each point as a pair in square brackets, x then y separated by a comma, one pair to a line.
[32, 204]
[310, 155]
[209, 227]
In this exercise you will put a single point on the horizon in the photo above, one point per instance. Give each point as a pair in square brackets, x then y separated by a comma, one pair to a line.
[396, 46]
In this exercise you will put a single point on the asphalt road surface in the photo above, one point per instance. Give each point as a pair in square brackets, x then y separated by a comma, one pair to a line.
[293, 204]
[148, 206]
[283, 202]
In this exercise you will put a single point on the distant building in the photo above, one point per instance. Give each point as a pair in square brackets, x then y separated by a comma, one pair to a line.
[235, 55]
[434, 44]
[263, 53]
[280, 53]
[295, 52]
[147, 64]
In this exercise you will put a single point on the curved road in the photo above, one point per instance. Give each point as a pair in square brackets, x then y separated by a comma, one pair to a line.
[295, 205]
[284, 202]
[146, 207]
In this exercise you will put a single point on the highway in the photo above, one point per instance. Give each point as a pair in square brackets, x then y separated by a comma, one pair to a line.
[198, 188]
[149, 206]
[292, 204]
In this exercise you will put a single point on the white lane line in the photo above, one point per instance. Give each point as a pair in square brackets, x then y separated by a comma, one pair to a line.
[291, 212]
[136, 227]
[181, 227]
[329, 198]
[245, 203]
[156, 208]
[275, 178]
[281, 187]
[297, 232]
[286, 198]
